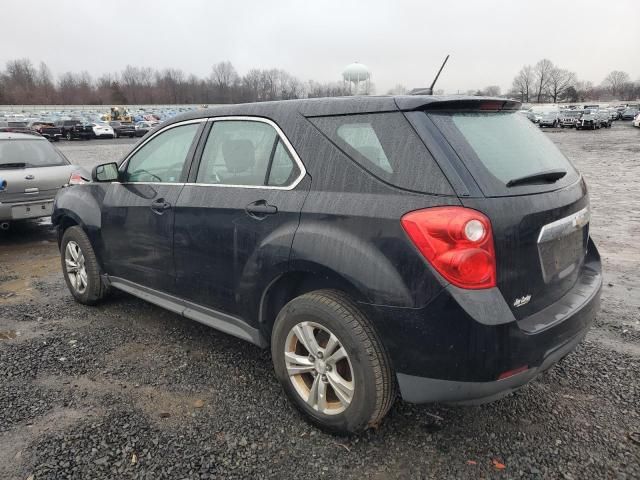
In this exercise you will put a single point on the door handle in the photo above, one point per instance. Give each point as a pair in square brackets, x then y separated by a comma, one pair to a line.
[159, 206]
[260, 209]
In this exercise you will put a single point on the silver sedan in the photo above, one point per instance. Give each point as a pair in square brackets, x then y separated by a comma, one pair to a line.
[31, 173]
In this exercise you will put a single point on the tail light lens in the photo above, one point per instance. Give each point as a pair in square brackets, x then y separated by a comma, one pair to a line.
[77, 179]
[457, 242]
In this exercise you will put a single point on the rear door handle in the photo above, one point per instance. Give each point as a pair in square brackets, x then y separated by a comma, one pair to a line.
[159, 206]
[260, 209]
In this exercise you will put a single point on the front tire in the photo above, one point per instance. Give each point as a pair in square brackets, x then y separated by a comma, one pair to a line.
[80, 267]
[331, 363]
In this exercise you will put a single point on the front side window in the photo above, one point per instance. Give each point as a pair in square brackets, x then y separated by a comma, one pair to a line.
[244, 152]
[162, 158]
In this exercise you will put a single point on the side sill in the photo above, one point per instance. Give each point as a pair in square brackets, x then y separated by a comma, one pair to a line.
[207, 316]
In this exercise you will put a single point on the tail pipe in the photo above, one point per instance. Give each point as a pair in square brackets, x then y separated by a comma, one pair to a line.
[4, 225]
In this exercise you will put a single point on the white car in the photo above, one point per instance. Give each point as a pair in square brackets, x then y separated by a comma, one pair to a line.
[102, 130]
[636, 121]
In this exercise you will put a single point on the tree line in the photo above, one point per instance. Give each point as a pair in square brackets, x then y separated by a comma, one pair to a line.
[22, 83]
[547, 82]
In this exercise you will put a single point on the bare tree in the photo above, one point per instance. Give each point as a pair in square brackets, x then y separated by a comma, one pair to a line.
[20, 78]
[559, 81]
[542, 74]
[45, 89]
[491, 91]
[584, 91]
[615, 82]
[523, 83]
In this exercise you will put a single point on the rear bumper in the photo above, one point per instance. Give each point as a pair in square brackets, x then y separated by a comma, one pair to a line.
[24, 210]
[427, 390]
[456, 348]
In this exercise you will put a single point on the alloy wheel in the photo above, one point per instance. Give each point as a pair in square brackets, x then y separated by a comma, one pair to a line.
[319, 368]
[76, 269]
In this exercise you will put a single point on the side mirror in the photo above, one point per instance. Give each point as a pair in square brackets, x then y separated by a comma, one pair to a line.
[107, 172]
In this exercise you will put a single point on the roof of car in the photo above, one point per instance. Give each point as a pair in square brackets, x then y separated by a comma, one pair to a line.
[20, 136]
[312, 107]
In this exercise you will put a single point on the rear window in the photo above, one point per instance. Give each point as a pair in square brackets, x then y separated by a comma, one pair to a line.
[29, 153]
[498, 147]
[386, 146]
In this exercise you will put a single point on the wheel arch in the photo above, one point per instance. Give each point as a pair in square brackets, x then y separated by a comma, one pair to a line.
[294, 283]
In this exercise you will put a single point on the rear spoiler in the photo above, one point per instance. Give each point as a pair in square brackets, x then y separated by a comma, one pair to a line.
[455, 103]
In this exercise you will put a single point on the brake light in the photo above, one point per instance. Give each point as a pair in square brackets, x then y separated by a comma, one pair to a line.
[77, 179]
[457, 242]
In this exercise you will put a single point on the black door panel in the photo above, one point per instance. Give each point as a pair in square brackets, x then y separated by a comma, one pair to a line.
[137, 232]
[223, 252]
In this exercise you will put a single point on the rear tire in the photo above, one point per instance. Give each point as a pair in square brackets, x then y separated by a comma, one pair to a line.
[80, 267]
[359, 390]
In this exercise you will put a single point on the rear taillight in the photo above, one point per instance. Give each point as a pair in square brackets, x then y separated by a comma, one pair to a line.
[457, 242]
[77, 179]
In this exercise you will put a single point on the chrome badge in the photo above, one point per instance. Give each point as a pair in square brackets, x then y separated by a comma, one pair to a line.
[522, 301]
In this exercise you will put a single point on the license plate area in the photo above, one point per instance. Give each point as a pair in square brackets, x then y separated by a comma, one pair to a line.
[562, 246]
[32, 210]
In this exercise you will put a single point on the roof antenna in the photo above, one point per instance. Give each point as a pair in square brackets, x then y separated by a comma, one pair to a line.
[429, 90]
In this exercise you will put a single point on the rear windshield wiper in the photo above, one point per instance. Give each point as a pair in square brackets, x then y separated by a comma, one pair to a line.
[13, 165]
[546, 176]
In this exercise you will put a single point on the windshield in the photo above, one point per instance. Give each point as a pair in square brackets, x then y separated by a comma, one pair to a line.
[498, 147]
[29, 153]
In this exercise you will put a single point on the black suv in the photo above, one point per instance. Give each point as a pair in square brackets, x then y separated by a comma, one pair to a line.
[438, 245]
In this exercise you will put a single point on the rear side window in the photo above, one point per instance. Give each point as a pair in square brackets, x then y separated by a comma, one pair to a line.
[386, 146]
[498, 147]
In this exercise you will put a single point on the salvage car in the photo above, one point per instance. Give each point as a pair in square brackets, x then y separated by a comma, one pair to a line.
[589, 119]
[439, 245]
[142, 128]
[629, 114]
[34, 171]
[15, 126]
[604, 118]
[102, 130]
[549, 119]
[47, 129]
[121, 129]
[75, 129]
[569, 118]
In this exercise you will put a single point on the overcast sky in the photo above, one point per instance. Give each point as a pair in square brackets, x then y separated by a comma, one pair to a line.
[400, 41]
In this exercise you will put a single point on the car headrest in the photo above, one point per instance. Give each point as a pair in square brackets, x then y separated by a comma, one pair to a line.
[239, 155]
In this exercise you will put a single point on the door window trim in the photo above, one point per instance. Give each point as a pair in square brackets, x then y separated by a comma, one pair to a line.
[123, 166]
[283, 138]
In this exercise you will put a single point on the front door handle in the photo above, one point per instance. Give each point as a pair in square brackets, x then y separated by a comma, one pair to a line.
[160, 206]
[260, 209]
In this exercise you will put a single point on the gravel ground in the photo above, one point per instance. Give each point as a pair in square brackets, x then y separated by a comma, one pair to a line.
[127, 390]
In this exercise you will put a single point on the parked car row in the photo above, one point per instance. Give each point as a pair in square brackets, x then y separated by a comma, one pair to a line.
[72, 125]
[590, 117]
[76, 128]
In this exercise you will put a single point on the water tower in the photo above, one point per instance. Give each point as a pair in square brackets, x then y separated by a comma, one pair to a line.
[357, 77]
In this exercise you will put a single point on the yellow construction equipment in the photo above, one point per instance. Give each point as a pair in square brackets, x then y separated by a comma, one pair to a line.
[118, 114]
